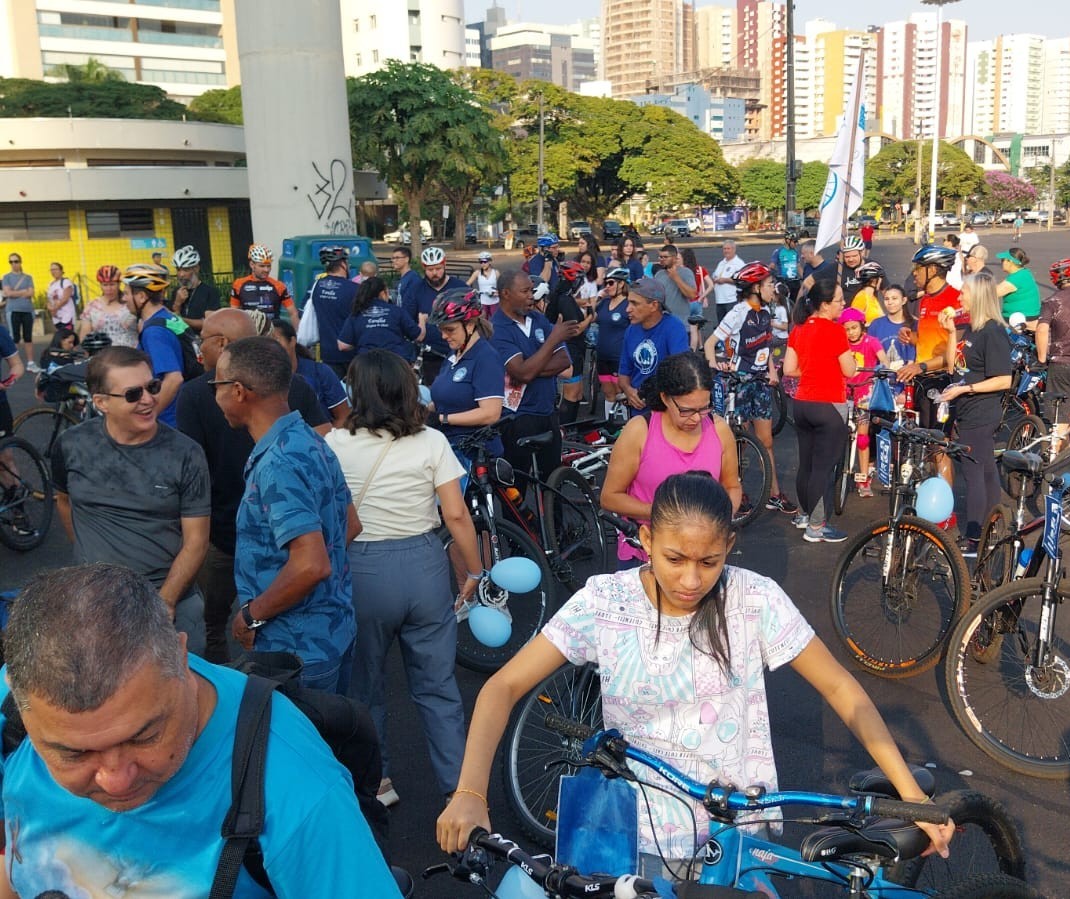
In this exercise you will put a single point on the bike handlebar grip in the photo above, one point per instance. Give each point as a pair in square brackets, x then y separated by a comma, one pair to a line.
[908, 811]
[569, 728]
[882, 422]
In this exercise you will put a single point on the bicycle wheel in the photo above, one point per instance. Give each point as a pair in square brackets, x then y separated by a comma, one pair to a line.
[41, 425]
[986, 843]
[1014, 711]
[845, 476]
[896, 625]
[990, 886]
[592, 389]
[577, 540]
[780, 409]
[531, 786]
[755, 475]
[527, 610]
[995, 564]
[1027, 429]
[25, 495]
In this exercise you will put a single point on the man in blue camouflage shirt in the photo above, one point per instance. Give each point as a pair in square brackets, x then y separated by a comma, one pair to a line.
[295, 521]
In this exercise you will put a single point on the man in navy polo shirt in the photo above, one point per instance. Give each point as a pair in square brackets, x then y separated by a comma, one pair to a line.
[534, 354]
[330, 300]
[434, 282]
[651, 336]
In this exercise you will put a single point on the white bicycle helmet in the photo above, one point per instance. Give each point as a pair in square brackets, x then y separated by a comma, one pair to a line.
[186, 257]
[260, 254]
[852, 243]
[485, 257]
[432, 256]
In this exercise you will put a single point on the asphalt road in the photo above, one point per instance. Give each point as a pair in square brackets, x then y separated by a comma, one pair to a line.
[813, 748]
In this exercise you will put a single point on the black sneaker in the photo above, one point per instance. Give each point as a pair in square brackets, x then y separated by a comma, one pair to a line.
[968, 547]
[780, 503]
[745, 507]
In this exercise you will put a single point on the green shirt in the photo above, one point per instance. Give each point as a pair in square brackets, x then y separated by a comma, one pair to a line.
[1026, 295]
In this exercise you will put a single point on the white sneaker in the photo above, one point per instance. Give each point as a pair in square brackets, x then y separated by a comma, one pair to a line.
[32, 367]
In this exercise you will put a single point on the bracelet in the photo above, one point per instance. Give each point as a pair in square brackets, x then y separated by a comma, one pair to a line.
[474, 576]
[472, 793]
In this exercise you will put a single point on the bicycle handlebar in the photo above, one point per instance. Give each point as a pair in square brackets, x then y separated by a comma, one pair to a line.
[752, 799]
[925, 436]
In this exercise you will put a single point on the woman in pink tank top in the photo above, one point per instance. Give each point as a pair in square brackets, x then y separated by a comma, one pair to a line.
[679, 435]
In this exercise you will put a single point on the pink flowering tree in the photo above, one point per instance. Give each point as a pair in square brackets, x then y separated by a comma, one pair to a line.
[1005, 192]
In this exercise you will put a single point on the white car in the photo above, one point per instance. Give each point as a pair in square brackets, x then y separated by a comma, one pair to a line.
[404, 236]
[694, 225]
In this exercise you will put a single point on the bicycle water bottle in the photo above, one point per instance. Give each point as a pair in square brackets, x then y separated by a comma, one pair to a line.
[943, 410]
[908, 396]
[1024, 558]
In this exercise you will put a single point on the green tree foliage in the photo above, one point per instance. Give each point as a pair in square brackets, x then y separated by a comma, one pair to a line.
[810, 187]
[1040, 177]
[762, 183]
[414, 125]
[92, 71]
[223, 106]
[22, 98]
[891, 175]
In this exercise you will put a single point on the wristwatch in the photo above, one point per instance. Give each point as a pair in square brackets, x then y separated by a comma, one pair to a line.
[247, 616]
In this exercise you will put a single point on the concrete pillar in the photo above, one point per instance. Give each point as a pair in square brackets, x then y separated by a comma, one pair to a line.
[296, 119]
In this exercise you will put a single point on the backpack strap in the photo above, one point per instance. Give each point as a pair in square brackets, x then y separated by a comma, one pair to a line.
[245, 819]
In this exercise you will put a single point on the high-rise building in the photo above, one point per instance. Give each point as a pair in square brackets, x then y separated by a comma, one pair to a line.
[1007, 84]
[715, 37]
[554, 53]
[722, 118]
[652, 41]
[761, 44]
[185, 48]
[910, 102]
[428, 31]
[835, 68]
[1056, 117]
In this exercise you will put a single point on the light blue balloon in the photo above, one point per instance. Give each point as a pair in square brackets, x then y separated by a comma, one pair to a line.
[517, 574]
[489, 626]
[517, 885]
[425, 394]
[935, 501]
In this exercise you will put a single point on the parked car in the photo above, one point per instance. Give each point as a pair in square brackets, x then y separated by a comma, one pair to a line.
[858, 221]
[612, 230]
[525, 234]
[657, 228]
[980, 219]
[1008, 217]
[471, 233]
[694, 224]
[951, 220]
[404, 236]
[678, 228]
[1035, 215]
[575, 229]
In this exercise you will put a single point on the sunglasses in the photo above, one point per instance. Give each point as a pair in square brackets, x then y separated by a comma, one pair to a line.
[134, 394]
[220, 382]
[14, 261]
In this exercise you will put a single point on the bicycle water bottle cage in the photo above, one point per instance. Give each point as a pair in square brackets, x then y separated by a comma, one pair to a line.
[886, 839]
[876, 781]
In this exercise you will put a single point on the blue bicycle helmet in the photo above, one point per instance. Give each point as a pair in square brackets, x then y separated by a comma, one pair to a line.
[930, 254]
[547, 240]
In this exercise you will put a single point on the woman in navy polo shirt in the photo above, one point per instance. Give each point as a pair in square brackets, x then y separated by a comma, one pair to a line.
[470, 388]
[376, 323]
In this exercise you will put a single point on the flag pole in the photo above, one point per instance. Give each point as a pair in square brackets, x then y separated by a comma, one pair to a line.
[851, 158]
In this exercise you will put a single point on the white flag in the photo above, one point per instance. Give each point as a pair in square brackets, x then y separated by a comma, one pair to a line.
[845, 173]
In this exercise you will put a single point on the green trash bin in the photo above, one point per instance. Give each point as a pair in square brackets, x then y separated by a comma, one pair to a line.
[299, 264]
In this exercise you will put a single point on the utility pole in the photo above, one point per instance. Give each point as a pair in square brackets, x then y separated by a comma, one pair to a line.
[789, 143]
[542, 184]
[917, 200]
[937, 96]
[1051, 187]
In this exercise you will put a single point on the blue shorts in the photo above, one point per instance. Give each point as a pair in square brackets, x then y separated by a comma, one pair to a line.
[754, 400]
[695, 309]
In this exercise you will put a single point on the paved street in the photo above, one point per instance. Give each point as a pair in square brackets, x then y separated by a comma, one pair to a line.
[814, 749]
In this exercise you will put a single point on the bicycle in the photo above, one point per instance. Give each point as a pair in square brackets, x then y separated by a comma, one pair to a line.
[1008, 666]
[864, 843]
[1022, 400]
[25, 495]
[755, 466]
[586, 448]
[562, 535]
[900, 586]
[845, 470]
[67, 402]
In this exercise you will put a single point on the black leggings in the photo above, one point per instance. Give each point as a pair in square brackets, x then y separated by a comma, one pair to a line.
[979, 473]
[822, 435]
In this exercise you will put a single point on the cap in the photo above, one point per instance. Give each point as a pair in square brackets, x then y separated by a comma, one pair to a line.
[1010, 257]
[850, 314]
[649, 289]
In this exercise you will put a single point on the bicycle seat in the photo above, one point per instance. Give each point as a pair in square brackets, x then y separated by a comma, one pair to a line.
[875, 781]
[542, 439]
[886, 838]
[1028, 463]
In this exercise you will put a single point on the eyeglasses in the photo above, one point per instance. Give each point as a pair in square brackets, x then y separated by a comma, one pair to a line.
[690, 413]
[220, 382]
[14, 261]
[134, 394]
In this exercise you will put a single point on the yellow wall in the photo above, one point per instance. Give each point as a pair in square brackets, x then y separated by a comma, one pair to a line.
[81, 255]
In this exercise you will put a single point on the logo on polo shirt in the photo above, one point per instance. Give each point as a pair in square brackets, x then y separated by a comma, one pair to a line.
[458, 374]
[540, 336]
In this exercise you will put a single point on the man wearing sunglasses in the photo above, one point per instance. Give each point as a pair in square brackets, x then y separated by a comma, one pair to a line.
[133, 491]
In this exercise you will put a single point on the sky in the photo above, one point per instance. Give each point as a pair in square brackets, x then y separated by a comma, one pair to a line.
[985, 18]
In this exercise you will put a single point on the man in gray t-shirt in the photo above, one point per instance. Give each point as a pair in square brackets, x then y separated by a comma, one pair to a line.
[678, 281]
[17, 288]
[133, 491]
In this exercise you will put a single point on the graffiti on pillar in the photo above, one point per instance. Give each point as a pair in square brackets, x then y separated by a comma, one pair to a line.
[330, 199]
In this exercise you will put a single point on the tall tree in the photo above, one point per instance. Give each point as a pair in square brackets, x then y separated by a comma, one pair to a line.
[21, 98]
[219, 105]
[411, 123]
[92, 71]
[762, 183]
[891, 175]
[1004, 192]
[810, 187]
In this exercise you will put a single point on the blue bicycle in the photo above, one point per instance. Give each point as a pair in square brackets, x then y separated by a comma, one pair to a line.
[864, 844]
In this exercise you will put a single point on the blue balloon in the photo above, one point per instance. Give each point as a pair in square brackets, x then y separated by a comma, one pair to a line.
[517, 574]
[490, 626]
[935, 501]
[425, 394]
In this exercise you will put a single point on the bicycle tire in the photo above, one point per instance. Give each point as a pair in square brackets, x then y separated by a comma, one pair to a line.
[986, 844]
[578, 542]
[780, 409]
[32, 427]
[990, 886]
[995, 565]
[25, 513]
[1027, 429]
[1014, 713]
[755, 476]
[528, 610]
[845, 475]
[592, 389]
[530, 787]
[904, 633]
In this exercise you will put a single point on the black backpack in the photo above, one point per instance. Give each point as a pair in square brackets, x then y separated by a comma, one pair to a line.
[187, 339]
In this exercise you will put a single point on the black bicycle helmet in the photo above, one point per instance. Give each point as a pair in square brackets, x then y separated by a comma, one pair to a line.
[869, 271]
[330, 255]
[95, 341]
[930, 254]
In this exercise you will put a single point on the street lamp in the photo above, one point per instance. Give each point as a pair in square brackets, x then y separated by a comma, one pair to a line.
[939, 4]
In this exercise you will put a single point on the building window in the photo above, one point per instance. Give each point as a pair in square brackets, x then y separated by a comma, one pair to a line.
[375, 55]
[356, 24]
[372, 21]
[36, 224]
[979, 152]
[120, 223]
[360, 60]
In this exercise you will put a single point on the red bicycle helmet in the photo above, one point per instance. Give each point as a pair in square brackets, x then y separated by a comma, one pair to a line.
[571, 270]
[751, 273]
[1060, 272]
[457, 305]
[109, 274]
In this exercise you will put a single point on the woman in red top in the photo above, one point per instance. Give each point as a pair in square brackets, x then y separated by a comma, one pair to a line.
[820, 357]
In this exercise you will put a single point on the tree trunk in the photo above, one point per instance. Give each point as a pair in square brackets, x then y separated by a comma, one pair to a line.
[414, 200]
